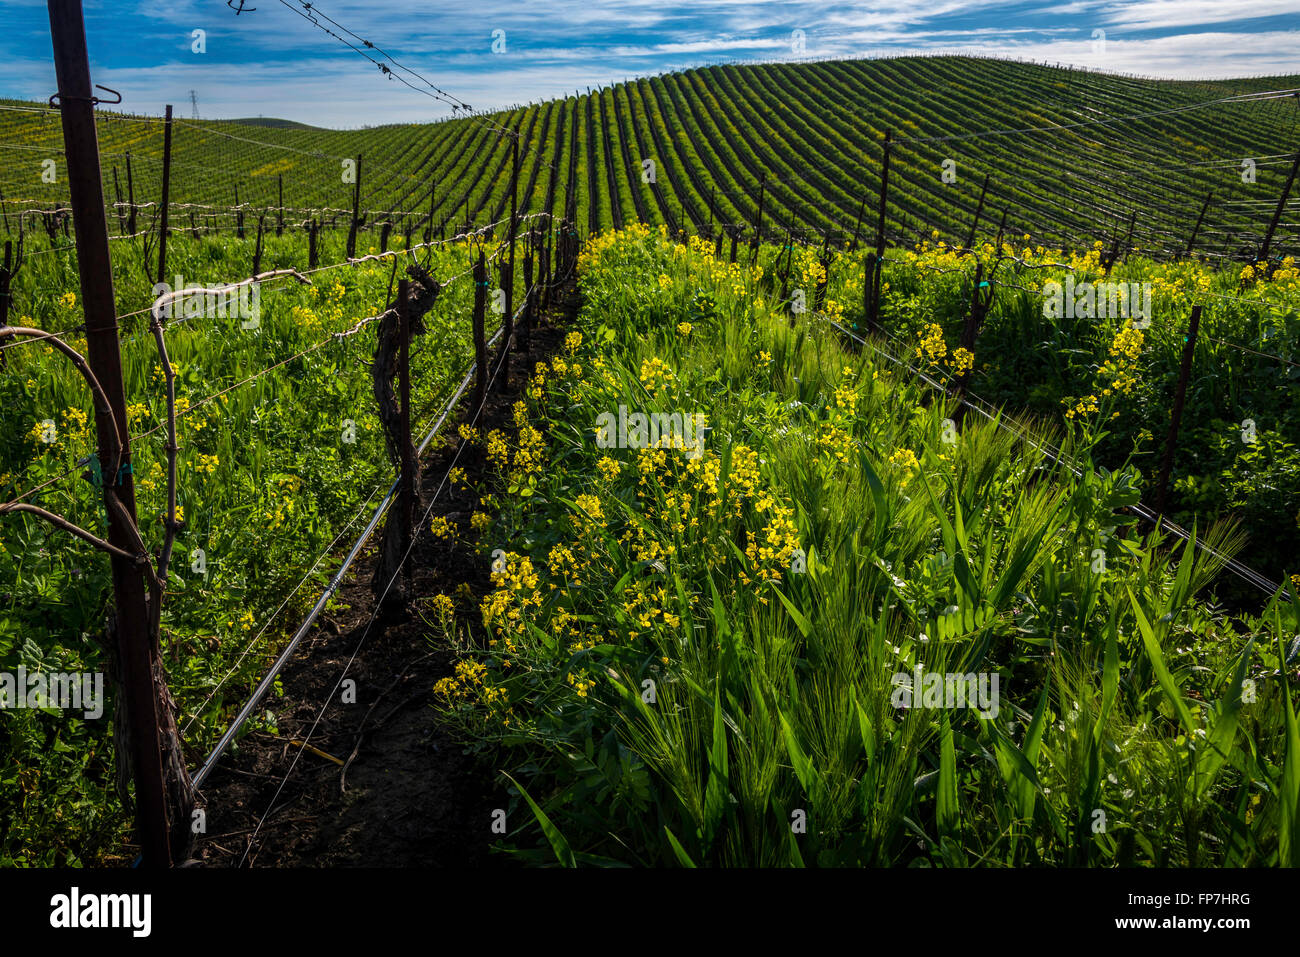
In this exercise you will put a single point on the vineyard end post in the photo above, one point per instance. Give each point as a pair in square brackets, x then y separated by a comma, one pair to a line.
[138, 654]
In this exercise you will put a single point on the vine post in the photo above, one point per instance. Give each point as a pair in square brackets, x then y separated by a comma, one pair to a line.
[137, 648]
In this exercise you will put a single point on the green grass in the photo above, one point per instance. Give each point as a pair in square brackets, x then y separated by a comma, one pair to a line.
[667, 682]
[281, 461]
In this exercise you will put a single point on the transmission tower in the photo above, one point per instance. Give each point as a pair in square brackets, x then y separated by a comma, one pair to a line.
[194, 102]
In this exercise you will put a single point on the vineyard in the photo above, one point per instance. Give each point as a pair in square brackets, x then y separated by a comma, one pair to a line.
[1068, 154]
[690, 427]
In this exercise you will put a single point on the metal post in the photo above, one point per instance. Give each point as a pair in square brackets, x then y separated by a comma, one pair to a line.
[356, 211]
[166, 177]
[1180, 393]
[480, 337]
[876, 262]
[857, 228]
[407, 489]
[1191, 242]
[130, 197]
[970, 242]
[6, 278]
[138, 654]
[117, 194]
[433, 201]
[1277, 213]
[509, 278]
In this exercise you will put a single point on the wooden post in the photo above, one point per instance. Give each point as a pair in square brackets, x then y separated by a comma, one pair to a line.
[383, 236]
[130, 622]
[166, 189]
[406, 491]
[1180, 393]
[279, 216]
[480, 337]
[313, 228]
[239, 215]
[979, 208]
[732, 230]
[1191, 241]
[1277, 213]
[356, 211]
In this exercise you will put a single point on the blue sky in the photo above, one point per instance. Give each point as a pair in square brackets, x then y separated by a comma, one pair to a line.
[272, 62]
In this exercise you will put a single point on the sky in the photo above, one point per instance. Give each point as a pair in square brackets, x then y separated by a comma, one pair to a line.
[271, 61]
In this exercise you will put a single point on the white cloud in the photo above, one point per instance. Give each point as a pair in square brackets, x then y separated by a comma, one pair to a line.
[1169, 14]
[274, 63]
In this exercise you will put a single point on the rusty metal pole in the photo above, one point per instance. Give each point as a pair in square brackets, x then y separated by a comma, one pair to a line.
[72, 68]
[166, 175]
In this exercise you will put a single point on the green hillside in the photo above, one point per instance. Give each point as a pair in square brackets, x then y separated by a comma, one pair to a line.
[1130, 148]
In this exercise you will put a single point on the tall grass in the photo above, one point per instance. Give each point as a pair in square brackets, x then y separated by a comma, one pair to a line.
[669, 682]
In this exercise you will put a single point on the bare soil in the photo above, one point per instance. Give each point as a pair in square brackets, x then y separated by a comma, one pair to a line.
[406, 793]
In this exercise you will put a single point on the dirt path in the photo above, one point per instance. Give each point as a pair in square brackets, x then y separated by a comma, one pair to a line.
[409, 796]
